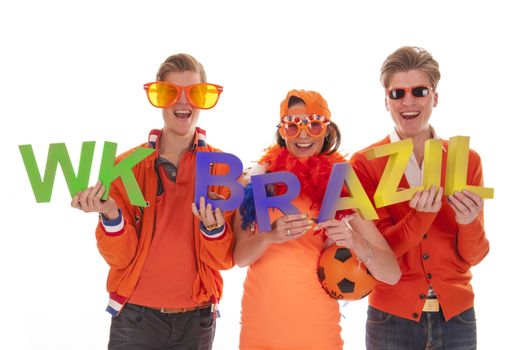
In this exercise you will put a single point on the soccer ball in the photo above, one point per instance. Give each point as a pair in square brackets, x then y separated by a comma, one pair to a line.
[342, 276]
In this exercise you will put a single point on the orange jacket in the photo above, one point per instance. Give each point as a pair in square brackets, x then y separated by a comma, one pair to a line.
[126, 251]
[431, 247]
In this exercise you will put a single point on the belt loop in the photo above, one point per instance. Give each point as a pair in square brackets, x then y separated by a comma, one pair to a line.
[214, 308]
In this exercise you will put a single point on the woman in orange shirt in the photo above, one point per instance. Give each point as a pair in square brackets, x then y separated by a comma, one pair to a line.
[284, 306]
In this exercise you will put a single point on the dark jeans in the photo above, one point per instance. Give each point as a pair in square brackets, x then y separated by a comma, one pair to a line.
[385, 331]
[141, 328]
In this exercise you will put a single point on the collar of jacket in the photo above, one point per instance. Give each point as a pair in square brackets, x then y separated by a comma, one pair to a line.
[199, 139]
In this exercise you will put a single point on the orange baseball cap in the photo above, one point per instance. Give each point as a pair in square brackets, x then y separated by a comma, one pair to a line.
[315, 103]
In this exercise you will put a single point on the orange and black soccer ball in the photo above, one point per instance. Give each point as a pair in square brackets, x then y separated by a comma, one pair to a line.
[342, 275]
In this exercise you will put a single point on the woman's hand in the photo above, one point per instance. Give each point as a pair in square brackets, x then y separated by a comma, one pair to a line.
[288, 228]
[250, 246]
[365, 240]
[340, 232]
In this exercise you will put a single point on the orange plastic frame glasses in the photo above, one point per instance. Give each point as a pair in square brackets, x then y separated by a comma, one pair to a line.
[162, 94]
[314, 124]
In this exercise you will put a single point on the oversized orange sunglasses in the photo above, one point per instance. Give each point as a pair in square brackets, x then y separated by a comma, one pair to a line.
[314, 124]
[162, 94]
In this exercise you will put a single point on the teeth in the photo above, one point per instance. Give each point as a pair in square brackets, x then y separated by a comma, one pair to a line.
[409, 114]
[182, 113]
[304, 145]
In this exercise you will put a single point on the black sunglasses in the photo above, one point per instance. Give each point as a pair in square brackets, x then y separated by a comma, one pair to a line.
[416, 91]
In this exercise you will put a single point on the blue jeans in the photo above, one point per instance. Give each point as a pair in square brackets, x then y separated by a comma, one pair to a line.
[385, 331]
[142, 328]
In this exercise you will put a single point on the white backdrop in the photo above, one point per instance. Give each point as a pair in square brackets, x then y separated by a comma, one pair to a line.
[73, 71]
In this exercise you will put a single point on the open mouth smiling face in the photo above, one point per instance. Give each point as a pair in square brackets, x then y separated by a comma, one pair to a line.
[411, 113]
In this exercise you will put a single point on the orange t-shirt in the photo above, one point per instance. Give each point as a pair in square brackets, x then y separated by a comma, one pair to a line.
[170, 268]
[284, 305]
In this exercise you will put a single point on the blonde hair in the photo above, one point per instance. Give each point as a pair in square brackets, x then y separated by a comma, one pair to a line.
[409, 58]
[180, 63]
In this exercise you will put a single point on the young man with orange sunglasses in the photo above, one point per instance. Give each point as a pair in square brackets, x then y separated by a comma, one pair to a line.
[164, 259]
[436, 239]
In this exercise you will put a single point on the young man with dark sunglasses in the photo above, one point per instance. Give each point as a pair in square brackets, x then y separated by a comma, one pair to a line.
[436, 239]
[163, 282]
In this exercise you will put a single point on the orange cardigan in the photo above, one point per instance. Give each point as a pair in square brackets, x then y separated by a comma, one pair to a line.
[431, 247]
[126, 251]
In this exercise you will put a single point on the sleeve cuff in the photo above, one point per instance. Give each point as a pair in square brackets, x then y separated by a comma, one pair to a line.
[470, 230]
[114, 227]
[420, 222]
[216, 233]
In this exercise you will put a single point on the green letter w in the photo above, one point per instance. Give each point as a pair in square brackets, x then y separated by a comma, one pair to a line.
[58, 154]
